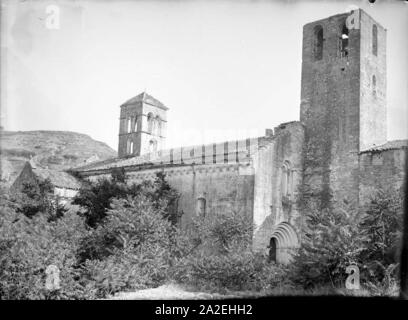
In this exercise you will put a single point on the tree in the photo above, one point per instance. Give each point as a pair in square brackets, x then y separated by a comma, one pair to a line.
[35, 198]
[97, 199]
[331, 243]
[163, 195]
[381, 227]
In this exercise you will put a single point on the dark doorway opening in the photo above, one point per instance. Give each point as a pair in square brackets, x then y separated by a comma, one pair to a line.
[272, 250]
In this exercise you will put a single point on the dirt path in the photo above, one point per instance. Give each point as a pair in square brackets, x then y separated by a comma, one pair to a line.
[167, 292]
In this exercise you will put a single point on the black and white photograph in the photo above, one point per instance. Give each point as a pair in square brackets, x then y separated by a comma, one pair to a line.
[203, 150]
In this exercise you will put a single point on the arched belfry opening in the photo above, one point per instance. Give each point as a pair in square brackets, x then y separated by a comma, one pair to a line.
[318, 43]
[344, 41]
[150, 122]
[283, 243]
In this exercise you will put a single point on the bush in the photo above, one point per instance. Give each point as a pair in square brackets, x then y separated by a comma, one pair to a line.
[340, 237]
[220, 257]
[131, 250]
[331, 243]
[96, 199]
[29, 246]
[130, 246]
[381, 228]
[35, 198]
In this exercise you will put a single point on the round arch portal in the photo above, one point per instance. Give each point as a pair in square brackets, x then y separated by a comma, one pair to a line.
[283, 242]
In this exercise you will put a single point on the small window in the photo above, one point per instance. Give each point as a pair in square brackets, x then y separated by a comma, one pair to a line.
[374, 83]
[129, 125]
[318, 43]
[286, 179]
[344, 41]
[131, 148]
[375, 40]
[201, 207]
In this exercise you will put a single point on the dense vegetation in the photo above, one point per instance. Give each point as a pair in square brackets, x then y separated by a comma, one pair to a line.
[124, 237]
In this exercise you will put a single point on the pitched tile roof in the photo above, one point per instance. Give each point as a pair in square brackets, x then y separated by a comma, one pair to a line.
[243, 149]
[147, 98]
[394, 144]
[59, 179]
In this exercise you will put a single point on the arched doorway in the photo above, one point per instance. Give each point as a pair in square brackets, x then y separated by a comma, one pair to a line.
[272, 250]
[283, 243]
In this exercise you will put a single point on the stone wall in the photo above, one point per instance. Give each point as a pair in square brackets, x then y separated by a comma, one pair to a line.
[225, 187]
[271, 206]
[373, 112]
[381, 170]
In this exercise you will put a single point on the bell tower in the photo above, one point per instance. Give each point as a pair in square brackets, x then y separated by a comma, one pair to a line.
[142, 127]
[343, 101]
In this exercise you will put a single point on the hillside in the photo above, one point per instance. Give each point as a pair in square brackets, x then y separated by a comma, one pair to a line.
[53, 149]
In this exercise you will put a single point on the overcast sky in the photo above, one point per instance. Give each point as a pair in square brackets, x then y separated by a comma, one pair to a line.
[225, 69]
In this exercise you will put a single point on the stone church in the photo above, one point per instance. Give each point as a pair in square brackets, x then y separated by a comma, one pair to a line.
[338, 151]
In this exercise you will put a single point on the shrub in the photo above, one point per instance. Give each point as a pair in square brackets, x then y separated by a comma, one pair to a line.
[96, 199]
[381, 227]
[332, 242]
[220, 258]
[28, 246]
[337, 238]
[131, 250]
[35, 198]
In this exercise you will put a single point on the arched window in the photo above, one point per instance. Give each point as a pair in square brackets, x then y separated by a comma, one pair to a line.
[286, 179]
[152, 146]
[150, 121]
[375, 40]
[131, 147]
[374, 81]
[128, 146]
[318, 43]
[129, 125]
[201, 207]
[344, 41]
[136, 125]
[157, 126]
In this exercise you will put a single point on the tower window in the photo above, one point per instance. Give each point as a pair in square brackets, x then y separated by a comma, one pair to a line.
[344, 41]
[150, 122]
[152, 146]
[201, 207]
[318, 43]
[129, 125]
[157, 126]
[129, 147]
[375, 40]
[374, 82]
[136, 126]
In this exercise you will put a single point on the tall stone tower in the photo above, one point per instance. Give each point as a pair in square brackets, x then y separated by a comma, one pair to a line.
[343, 101]
[142, 127]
